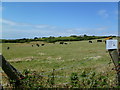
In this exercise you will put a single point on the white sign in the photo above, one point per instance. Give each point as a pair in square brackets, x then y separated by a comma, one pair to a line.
[111, 44]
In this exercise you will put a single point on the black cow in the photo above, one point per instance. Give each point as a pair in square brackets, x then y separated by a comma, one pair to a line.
[37, 45]
[61, 42]
[42, 44]
[99, 40]
[90, 41]
[32, 45]
[8, 48]
[65, 43]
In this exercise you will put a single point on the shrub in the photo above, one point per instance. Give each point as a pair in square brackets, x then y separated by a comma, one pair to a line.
[74, 79]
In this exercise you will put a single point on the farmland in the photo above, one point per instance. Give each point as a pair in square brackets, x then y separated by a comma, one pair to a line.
[76, 56]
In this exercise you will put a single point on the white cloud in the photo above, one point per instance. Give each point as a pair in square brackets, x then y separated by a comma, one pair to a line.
[38, 26]
[87, 29]
[13, 29]
[103, 13]
[41, 26]
[8, 22]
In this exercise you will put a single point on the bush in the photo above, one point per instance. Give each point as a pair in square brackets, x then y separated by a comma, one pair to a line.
[74, 79]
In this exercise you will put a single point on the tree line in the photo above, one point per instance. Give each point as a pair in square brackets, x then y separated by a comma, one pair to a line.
[53, 39]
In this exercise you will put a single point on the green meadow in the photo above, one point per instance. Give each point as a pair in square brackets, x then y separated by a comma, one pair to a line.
[76, 56]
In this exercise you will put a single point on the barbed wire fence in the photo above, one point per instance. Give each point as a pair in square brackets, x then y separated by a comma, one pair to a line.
[43, 74]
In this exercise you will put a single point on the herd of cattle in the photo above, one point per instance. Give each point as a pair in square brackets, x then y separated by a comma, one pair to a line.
[97, 41]
[38, 45]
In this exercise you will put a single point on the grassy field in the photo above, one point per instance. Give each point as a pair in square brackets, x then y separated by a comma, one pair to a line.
[76, 56]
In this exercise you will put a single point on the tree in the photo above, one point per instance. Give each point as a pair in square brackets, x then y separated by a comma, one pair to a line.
[35, 37]
[85, 35]
[73, 36]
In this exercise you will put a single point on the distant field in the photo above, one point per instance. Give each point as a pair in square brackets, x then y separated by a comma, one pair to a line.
[76, 56]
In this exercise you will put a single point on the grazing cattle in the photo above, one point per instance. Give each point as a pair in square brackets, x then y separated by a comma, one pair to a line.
[8, 48]
[37, 45]
[42, 44]
[90, 41]
[32, 45]
[61, 42]
[99, 40]
[65, 43]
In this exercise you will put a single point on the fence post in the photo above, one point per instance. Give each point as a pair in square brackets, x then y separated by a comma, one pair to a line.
[11, 72]
[8, 69]
[116, 60]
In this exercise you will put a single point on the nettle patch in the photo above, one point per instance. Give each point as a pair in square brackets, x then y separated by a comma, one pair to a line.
[85, 79]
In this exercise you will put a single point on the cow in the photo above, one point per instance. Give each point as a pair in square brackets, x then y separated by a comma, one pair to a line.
[32, 45]
[37, 45]
[8, 48]
[99, 40]
[65, 43]
[90, 41]
[42, 44]
[61, 42]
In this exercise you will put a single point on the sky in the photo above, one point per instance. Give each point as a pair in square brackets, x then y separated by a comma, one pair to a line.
[44, 19]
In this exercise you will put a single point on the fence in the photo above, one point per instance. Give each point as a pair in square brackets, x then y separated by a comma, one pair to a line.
[43, 74]
[63, 68]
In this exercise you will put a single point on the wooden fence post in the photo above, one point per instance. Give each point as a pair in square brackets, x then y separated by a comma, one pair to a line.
[10, 71]
[116, 60]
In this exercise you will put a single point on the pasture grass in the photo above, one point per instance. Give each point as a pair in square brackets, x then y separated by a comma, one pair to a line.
[76, 56]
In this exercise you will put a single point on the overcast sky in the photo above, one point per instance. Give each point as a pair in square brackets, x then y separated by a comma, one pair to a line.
[30, 19]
